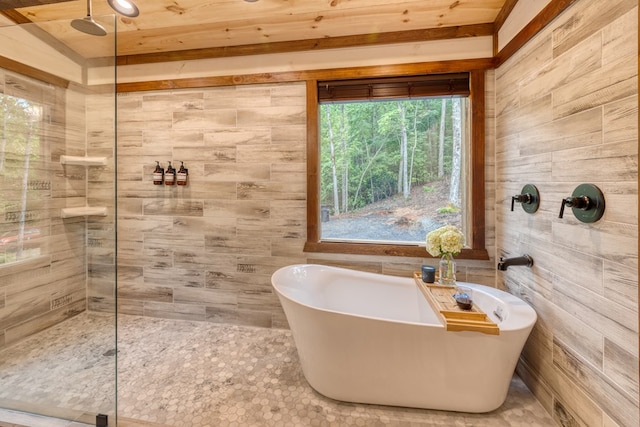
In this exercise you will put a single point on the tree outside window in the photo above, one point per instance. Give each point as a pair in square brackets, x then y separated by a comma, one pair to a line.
[390, 170]
[21, 129]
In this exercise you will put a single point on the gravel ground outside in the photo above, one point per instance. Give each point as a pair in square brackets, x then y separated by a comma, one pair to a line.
[395, 218]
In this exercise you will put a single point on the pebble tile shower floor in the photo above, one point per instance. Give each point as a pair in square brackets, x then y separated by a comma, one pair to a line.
[196, 374]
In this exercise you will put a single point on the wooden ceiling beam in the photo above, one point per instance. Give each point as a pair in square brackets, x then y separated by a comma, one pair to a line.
[409, 36]
[297, 76]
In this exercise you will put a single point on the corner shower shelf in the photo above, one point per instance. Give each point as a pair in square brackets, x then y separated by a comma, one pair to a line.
[453, 317]
[83, 160]
[83, 211]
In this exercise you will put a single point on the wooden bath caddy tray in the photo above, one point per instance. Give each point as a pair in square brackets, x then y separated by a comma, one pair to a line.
[453, 317]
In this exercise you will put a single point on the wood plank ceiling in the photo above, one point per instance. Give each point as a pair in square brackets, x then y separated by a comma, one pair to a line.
[212, 28]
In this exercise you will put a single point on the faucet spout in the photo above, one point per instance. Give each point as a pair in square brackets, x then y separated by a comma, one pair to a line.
[521, 260]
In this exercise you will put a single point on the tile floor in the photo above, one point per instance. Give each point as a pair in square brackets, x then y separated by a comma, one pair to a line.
[196, 374]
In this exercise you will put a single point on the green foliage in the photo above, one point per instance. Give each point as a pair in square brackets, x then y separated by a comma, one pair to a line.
[449, 209]
[428, 188]
[366, 137]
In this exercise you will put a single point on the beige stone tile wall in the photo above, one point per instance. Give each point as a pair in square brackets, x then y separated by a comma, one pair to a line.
[206, 251]
[40, 292]
[566, 114]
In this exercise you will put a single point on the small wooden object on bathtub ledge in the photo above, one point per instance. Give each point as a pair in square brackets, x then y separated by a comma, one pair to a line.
[453, 317]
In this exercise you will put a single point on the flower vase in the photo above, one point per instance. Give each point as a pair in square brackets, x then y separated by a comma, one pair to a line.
[447, 270]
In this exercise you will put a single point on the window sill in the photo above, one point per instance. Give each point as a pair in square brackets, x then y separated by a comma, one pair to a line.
[413, 251]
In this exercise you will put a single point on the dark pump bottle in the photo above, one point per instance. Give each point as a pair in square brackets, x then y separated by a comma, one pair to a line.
[182, 175]
[170, 175]
[158, 175]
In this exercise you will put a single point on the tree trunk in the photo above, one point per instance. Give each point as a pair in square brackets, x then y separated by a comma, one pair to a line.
[456, 121]
[345, 162]
[404, 170]
[415, 144]
[334, 172]
[441, 141]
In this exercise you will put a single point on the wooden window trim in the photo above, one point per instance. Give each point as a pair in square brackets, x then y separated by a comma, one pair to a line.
[476, 248]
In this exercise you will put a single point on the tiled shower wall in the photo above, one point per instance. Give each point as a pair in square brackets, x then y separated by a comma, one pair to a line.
[566, 114]
[206, 251]
[42, 291]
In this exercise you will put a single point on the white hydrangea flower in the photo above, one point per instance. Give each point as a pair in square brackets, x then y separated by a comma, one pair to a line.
[445, 240]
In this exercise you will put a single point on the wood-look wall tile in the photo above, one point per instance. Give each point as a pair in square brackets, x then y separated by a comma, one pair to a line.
[232, 280]
[288, 247]
[589, 161]
[237, 208]
[133, 307]
[578, 335]
[237, 136]
[200, 189]
[258, 301]
[576, 131]
[621, 284]
[270, 190]
[621, 201]
[219, 227]
[235, 316]
[235, 96]
[233, 172]
[174, 311]
[207, 119]
[622, 367]
[205, 296]
[163, 139]
[178, 207]
[610, 83]
[174, 277]
[540, 389]
[588, 18]
[612, 241]
[40, 323]
[619, 38]
[296, 134]
[272, 153]
[240, 245]
[620, 120]
[173, 101]
[584, 59]
[139, 224]
[613, 399]
[132, 291]
[264, 265]
[138, 120]
[218, 153]
[272, 228]
[525, 117]
[272, 116]
[597, 311]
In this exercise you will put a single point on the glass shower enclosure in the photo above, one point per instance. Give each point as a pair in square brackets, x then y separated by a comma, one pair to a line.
[58, 222]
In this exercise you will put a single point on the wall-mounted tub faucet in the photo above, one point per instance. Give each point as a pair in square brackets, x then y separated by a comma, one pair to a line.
[521, 260]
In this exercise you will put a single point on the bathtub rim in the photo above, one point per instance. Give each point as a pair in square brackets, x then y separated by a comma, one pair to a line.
[519, 311]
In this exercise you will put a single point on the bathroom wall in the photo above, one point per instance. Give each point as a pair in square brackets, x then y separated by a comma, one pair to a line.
[39, 292]
[206, 251]
[566, 114]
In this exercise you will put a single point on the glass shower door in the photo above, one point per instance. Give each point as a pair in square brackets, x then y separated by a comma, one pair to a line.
[57, 222]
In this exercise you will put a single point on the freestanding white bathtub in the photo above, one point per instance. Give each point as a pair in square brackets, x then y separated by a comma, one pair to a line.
[372, 338]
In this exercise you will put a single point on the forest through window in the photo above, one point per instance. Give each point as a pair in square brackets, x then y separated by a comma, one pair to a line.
[392, 170]
[22, 177]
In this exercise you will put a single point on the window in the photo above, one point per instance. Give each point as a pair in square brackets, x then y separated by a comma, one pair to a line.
[22, 176]
[381, 172]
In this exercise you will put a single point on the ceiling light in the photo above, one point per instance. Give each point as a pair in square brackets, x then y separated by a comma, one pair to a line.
[124, 7]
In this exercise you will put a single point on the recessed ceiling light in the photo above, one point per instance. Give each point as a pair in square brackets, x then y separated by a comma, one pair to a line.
[124, 7]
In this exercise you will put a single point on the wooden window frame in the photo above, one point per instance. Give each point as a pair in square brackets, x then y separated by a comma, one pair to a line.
[476, 217]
